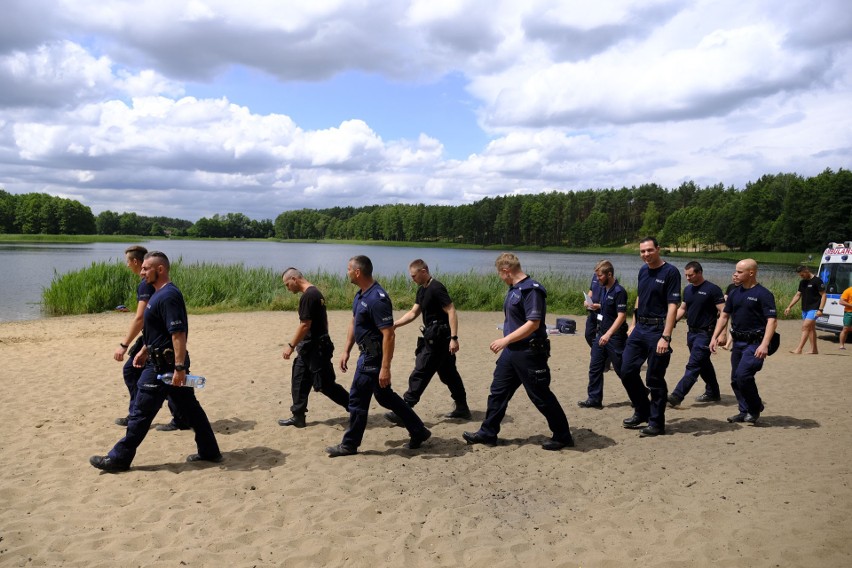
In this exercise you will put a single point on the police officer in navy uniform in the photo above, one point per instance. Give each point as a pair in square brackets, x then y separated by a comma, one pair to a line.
[593, 310]
[650, 339]
[608, 345]
[372, 330]
[751, 310]
[165, 331]
[437, 348]
[133, 256]
[703, 301]
[524, 350]
[312, 366]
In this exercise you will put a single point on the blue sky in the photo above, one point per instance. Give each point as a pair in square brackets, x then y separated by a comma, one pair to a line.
[191, 108]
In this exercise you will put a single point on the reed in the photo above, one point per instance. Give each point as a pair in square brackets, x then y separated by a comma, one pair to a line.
[209, 287]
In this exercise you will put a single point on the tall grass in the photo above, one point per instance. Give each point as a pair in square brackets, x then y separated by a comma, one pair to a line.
[209, 287]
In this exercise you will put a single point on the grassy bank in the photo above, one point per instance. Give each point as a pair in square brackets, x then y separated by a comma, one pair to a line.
[210, 288]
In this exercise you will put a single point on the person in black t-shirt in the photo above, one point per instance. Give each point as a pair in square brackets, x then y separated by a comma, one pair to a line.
[812, 293]
[312, 366]
[437, 347]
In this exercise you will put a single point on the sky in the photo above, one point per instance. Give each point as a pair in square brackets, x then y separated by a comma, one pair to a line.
[191, 108]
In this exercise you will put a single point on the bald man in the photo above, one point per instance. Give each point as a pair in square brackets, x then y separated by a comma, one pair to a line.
[751, 309]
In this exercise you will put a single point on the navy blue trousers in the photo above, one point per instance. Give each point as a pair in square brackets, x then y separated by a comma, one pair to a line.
[365, 385]
[150, 396]
[613, 352]
[431, 358]
[699, 364]
[642, 346]
[744, 366]
[523, 367]
[591, 330]
[131, 380]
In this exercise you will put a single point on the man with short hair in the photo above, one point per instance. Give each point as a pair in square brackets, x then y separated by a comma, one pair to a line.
[133, 258]
[751, 310]
[812, 293]
[312, 366]
[649, 339]
[703, 301]
[165, 330]
[524, 350]
[372, 330]
[438, 345]
[608, 344]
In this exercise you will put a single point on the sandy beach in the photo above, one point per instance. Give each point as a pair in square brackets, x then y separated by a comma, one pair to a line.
[708, 493]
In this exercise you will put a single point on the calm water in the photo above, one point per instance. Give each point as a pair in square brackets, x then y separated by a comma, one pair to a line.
[28, 268]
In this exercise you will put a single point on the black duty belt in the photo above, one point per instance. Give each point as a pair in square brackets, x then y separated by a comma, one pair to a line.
[657, 322]
[747, 336]
[708, 329]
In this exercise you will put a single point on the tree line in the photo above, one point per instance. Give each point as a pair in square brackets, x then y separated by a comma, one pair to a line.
[777, 212]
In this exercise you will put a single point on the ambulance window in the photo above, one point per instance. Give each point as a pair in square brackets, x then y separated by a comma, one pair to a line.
[839, 277]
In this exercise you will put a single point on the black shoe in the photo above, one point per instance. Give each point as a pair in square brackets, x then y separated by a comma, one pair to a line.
[707, 397]
[171, 427]
[556, 445]
[417, 441]
[197, 458]
[393, 417]
[340, 450]
[589, 403]
[634, 422]
[650, 431]
[461, 412]
[121, 421]
[477, 438]
[674, 400]
[107, 464]
[751, 418]
[737, 417]
[297, 420]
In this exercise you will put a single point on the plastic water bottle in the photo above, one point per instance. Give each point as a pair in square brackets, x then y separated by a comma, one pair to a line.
[194, 381]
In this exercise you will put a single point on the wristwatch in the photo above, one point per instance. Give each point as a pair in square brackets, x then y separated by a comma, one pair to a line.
[455, 337]
[180, 367]
[668, 338]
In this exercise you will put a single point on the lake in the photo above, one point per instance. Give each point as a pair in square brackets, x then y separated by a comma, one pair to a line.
[30, 267]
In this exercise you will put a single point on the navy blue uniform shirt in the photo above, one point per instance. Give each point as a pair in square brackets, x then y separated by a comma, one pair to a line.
[701, 302]
[165, 314]
[596, 289]
[312, 308]
[144, 291]
[372, 310]
[658, 287]
[525, 301]
[749, 309]
[613, 302]
[432, 300]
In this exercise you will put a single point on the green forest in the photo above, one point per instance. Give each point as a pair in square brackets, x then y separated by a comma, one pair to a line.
[781, 212]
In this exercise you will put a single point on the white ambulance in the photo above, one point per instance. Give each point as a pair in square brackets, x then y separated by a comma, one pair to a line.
[835, 270]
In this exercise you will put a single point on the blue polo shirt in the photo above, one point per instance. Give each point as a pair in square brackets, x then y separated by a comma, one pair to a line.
[372, 310]
[701, 302]
[613, 302]
[596, 289]
[658, 287]
[750, 309]
[165, 314]
[525, 301]
[144, 291]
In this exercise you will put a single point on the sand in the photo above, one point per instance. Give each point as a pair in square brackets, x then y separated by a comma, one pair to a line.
[709, 493]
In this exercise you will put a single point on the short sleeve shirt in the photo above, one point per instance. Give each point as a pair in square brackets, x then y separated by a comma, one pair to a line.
[525, 301]
[372, 310]
[701, 302]
[312, 308]
[144, 291]
[165, 314]
[811, 291]
[658, 287]
[750, 308]
[847, 297]
[432, 300]
[596, 289]
[613, 302]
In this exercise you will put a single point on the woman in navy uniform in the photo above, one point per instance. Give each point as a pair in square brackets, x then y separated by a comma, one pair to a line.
[650, 339]
[524, 350]
[751, 309]
[372, 330]
[165, 331]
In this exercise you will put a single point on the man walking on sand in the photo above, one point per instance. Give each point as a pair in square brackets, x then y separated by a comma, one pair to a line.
[812, 293]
